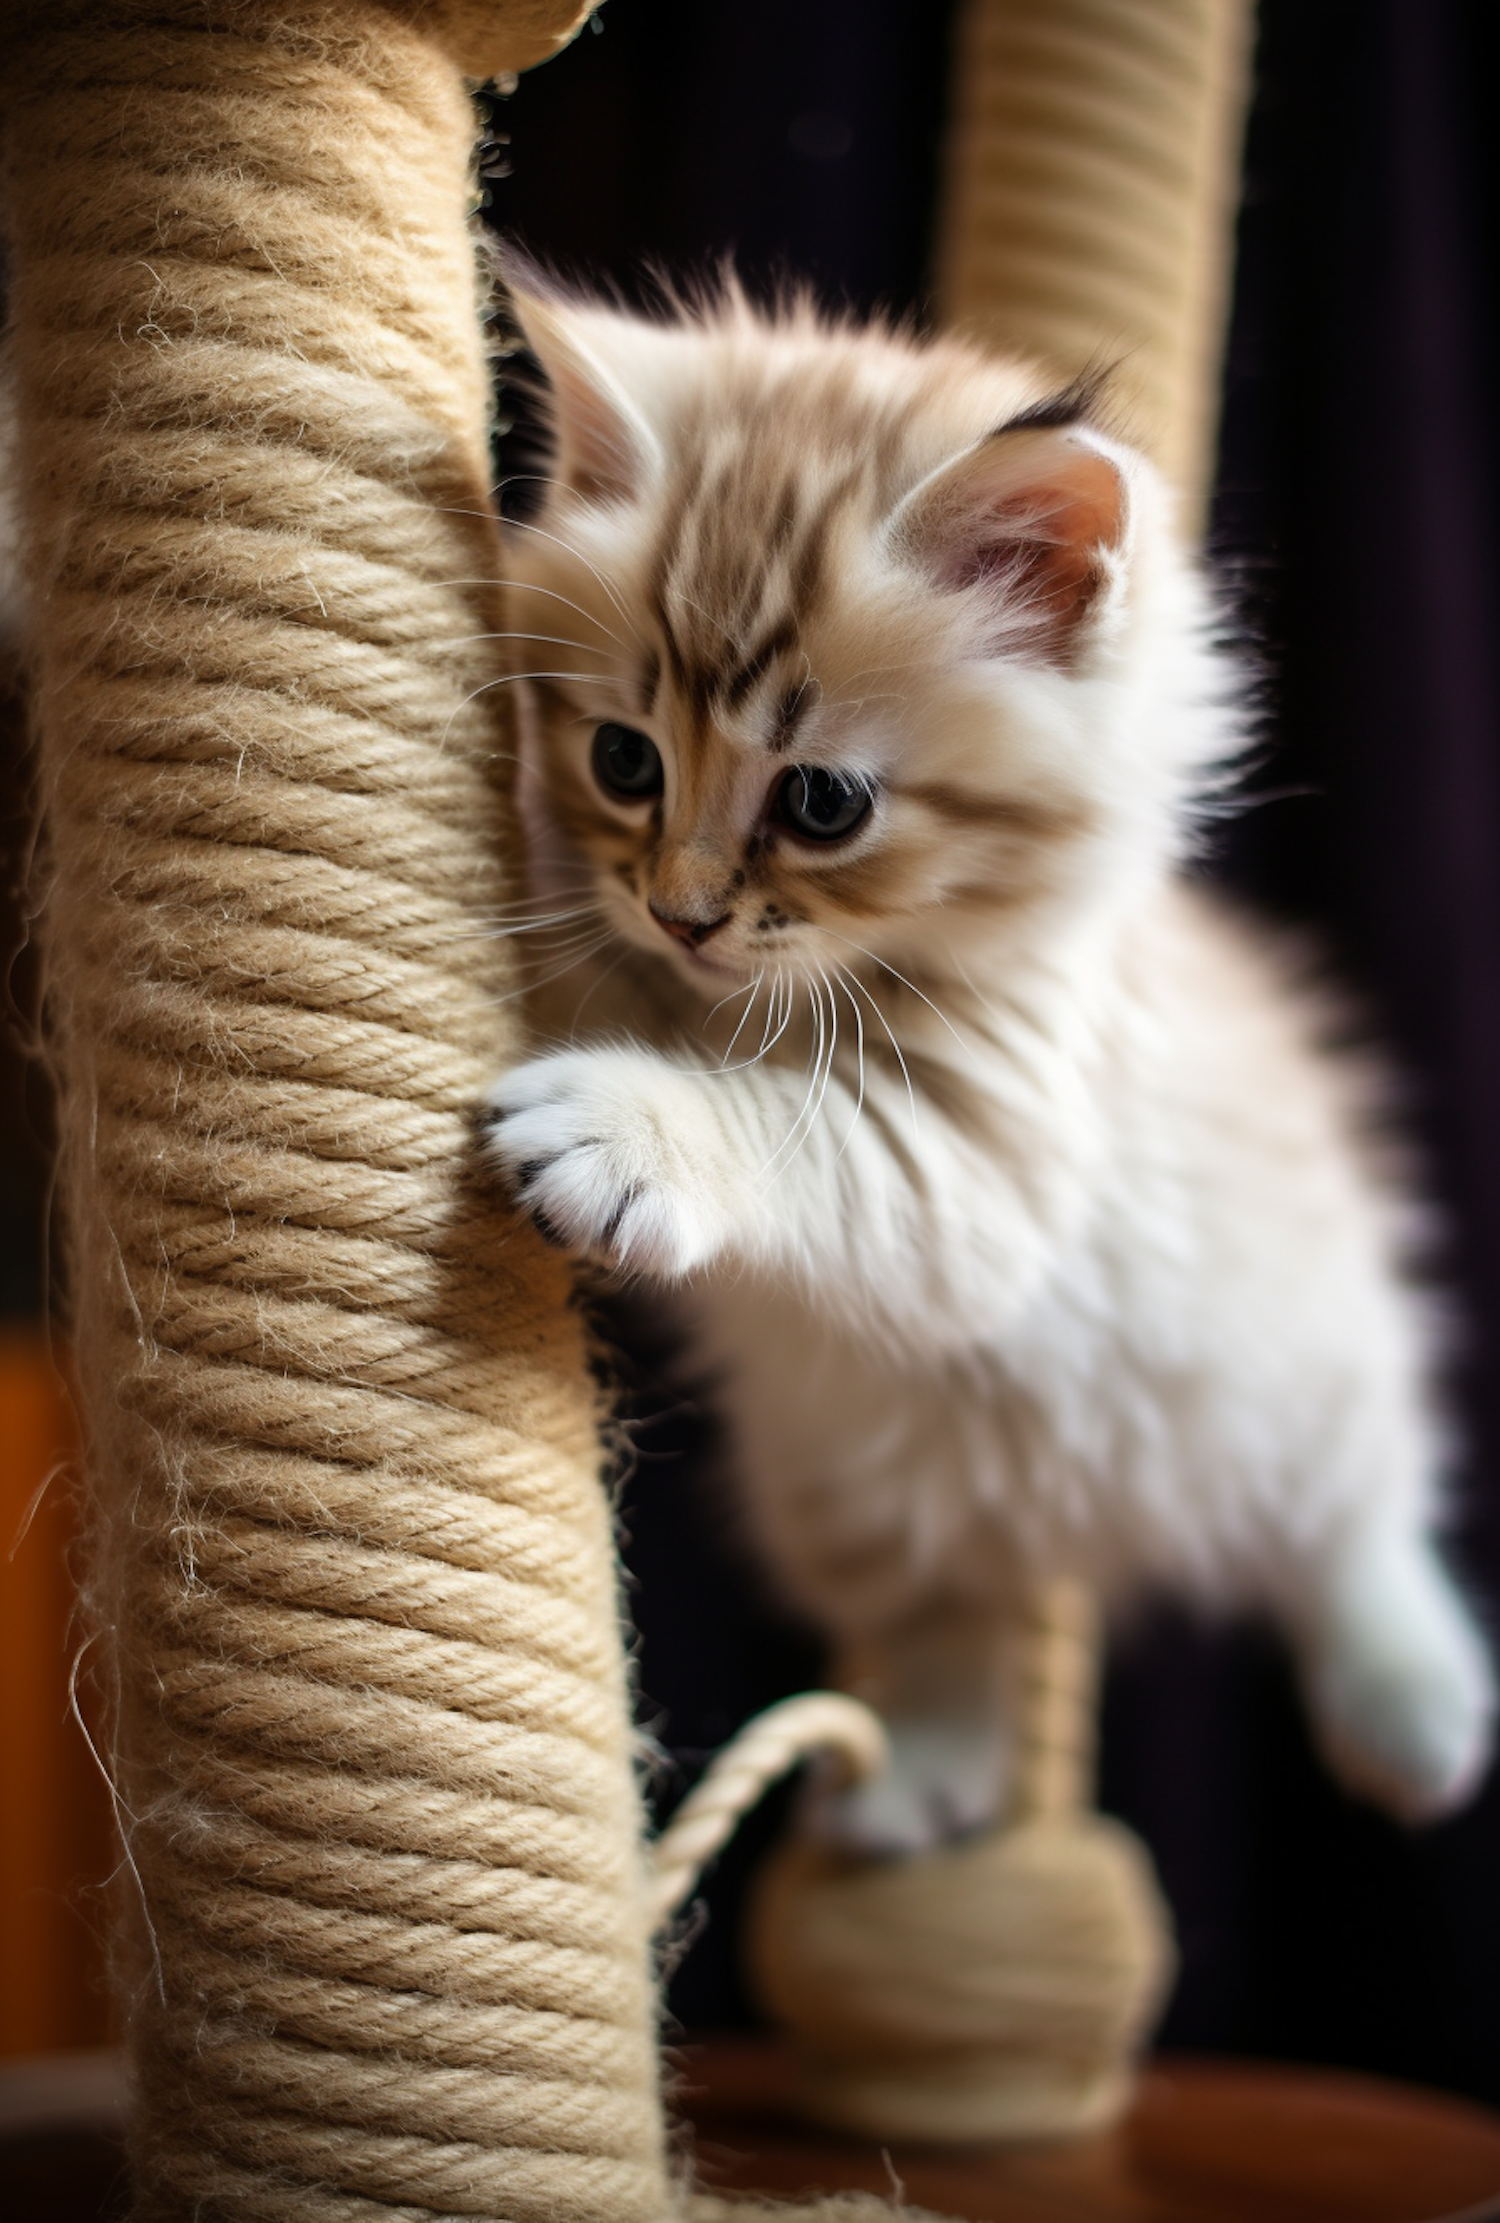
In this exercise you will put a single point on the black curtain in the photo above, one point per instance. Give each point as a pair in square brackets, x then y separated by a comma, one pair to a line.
[1353, 532]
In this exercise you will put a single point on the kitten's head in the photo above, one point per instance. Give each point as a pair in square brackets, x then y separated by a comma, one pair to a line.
[846, 644]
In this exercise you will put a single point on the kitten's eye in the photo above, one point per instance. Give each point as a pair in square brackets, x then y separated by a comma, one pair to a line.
[819, 805]
[627, 763]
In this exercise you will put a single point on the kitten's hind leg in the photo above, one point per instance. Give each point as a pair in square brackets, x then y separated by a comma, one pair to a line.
[1397, 1677]
[939, 1680]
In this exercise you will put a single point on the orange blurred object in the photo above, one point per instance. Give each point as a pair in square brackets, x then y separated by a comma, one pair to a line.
[57, 1843]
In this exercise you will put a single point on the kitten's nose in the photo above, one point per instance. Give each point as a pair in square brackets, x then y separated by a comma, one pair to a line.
[689, 931]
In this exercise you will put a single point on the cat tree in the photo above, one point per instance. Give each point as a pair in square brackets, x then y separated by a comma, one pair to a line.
[386, 1928]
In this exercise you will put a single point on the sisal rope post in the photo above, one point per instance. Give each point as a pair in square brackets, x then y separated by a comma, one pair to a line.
[1092, 179]
[1002, 1987]
[998, 1987]
[352, 1563]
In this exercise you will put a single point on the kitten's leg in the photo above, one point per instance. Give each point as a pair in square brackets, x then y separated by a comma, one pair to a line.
[1397, 1676]
[941, 1683]
[661, 1167]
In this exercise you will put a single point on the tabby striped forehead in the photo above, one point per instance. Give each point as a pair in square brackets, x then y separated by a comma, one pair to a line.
[744, 562]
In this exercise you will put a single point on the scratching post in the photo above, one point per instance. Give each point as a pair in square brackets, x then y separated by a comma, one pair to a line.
[997, 1988]
[388, 1952]
[1091, 182]
[1002, 1987]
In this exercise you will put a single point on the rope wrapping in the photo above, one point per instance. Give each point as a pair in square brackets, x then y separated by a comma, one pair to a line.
[371, 1747]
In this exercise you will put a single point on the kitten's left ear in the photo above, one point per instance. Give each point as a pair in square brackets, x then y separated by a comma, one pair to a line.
[1037, 516]
[605, 448]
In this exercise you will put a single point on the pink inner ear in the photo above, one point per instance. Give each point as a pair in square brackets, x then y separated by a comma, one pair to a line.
[1032, 514]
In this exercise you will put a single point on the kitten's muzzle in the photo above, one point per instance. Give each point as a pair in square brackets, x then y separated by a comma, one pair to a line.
[692, 933]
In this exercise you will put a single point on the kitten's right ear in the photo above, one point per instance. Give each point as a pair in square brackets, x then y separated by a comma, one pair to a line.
[1037, 519]
[605, 448]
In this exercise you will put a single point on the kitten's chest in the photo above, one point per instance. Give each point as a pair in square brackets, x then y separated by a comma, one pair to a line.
[1042, 1442]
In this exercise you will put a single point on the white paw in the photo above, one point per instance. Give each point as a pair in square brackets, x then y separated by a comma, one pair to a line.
[617, 1154]
[946, 1778]
[1402, 1689]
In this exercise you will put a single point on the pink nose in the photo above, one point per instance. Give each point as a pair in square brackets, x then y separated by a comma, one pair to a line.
[688, 931]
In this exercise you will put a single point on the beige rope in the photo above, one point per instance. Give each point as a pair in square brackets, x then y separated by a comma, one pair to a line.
[1056, 1680]
[372, 1745]
[770, 1746]
[1092, 178]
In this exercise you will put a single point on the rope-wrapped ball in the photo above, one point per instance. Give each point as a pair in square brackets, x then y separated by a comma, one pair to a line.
[999, 1987]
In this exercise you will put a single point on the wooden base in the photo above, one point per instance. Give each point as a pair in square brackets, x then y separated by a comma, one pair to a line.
[1207, 2142]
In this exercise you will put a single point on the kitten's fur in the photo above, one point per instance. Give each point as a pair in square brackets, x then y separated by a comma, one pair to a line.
[1005, 1189]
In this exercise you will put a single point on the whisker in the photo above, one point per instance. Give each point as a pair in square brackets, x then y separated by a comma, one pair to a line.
[528, 586]
[788, 988]
[520, 586]
[545, 980]
[786, 1138]
[552, 640]
[680, 594]
[566, 944]
[537, 925]
[744, 1015]
[566, 937]
[773, 1002]
[595, 986]
[768, 1040]
[497, 925]
[508, 679]
[801, 1126]
[524, 902]
[524, 525]
[578, 679]
[833, 1043]
[966, 1047]
[911, 1098]
[713, 1008]
[859, 1026]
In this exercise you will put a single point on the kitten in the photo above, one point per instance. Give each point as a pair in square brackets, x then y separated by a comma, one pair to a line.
[1004, 1187]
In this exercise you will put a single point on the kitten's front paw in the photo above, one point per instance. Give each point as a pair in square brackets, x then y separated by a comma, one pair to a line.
[617, 1155]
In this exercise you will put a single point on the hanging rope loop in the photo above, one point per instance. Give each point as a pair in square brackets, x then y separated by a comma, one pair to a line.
[767, 1748]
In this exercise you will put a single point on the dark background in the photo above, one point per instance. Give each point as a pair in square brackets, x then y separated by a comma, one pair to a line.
[1352, 529]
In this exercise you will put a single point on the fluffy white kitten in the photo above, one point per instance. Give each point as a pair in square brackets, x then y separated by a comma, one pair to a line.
[1002, 1183]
